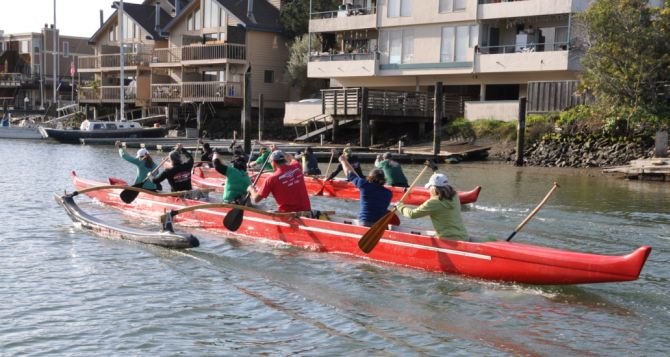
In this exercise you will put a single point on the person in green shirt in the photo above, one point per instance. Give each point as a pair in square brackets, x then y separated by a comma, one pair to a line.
[392, 170]
[264, 153]
[237, 180]
[443, 207]
[144, 164]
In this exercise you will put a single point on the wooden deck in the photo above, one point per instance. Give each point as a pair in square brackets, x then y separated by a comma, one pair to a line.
[656, 169]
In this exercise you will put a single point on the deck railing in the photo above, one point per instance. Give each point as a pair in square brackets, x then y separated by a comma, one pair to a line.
[130, 60]
[89, 62]
[213, 52]
[111, 93]
[195, 91]
[89, 94]
[347, 11]
[344, 57]
[166, 55]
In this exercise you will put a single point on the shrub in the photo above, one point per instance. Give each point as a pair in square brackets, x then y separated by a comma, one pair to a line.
[496, 129]
[459, 127]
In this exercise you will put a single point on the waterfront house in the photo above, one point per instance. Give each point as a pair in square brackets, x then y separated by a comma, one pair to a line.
[486, 53]
[27, 68]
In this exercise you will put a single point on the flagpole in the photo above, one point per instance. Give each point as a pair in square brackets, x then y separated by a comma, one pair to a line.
[121, 62]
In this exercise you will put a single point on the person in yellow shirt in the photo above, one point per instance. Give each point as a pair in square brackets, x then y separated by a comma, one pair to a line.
[443, 207]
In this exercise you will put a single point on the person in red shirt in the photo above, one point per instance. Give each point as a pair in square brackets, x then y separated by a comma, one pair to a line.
[287, 185]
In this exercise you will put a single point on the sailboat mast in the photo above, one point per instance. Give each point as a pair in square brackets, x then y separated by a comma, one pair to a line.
[122, 64]
[55, 53]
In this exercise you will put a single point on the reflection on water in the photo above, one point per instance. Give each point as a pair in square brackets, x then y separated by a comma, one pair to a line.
[68, 292]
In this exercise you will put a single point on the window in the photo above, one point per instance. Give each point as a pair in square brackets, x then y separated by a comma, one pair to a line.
[198, 22]
[456, 42]
[66, 49]
[395, 46]
[447, 50]
[213, 14]
[452, 5]
[112, 34]
[408, 46]
[25, 46]
[399, 8]
[269, 76]
[189, 23]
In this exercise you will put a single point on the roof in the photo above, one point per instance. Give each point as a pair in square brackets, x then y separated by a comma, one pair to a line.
[143, 15]
[265, 16]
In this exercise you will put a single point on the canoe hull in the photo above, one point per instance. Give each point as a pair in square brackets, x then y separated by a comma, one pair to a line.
[16, 132]
[501, 261]
[204, 177]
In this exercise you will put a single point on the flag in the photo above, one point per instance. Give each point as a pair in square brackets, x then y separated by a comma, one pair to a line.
[72, 69]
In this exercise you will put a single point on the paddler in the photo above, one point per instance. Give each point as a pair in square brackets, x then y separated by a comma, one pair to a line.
[392, 170]
[310, 166]
[177, 170]
[443, 207]
[353, 162]
[264, 153]
[237, 179]
[143, 163]
[287, 185]
[375, 198]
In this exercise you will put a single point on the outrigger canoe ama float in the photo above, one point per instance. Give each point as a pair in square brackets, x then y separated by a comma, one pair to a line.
[204, 177]
[499, 260]
[165, 238]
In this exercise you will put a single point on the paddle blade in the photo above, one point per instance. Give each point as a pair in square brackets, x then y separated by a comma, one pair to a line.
[370, 239]
[234, 218]
[128, 196]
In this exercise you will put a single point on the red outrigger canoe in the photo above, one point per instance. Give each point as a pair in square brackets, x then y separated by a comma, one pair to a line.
[205, 177]
[500, 260]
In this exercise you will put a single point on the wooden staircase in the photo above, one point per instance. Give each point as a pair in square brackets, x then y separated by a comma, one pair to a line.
[318, 125]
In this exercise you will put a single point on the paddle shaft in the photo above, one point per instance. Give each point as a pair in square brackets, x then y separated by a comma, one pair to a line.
[534, 211]
[153, 171]
[325, 177]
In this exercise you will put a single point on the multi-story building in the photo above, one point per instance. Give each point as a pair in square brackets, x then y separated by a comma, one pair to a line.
[190, 52]
[485, 52]
[27, 67]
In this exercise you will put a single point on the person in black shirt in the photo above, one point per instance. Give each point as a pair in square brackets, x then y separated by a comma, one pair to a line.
[353, 161]
[177, 170]
[310, 166]
[207, 153]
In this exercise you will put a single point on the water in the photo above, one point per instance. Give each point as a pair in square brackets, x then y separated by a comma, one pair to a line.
[65, 291]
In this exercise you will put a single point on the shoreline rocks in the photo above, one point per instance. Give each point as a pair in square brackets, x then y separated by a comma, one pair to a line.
[598, 152]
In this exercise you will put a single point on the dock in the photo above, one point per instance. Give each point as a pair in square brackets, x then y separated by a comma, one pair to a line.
[450, 151]
[655, 169]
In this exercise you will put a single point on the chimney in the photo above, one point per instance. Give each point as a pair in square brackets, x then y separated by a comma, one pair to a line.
[102, 21]
[177, 6]
[158, 16]
[250, 8]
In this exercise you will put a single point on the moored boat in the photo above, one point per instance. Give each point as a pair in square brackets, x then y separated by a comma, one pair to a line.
[501, 261]
[165, 238]
[205, 177]
[98, 130]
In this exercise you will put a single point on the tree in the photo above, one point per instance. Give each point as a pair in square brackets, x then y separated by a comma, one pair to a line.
[627, 54]
[295, 14]
[296, 67]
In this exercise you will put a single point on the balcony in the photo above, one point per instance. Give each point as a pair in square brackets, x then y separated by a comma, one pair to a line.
[10, 80]
[196, 92]
[88, 64]
[166, 57]
[199, 54]
[112, 62]
[342, 65]
[88, 95]
[348, 18]
[500, 9]
[508, 59]
[111, 94]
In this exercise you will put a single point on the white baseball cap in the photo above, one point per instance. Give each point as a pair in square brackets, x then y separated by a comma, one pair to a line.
[142, 152]
[438, 180]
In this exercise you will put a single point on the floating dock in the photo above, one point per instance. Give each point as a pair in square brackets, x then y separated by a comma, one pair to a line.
[656, 169]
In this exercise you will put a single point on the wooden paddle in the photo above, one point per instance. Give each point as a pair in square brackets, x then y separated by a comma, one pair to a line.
[141, 190]
[234, 218]
[325, 177]
[532, 213]
[370, 239]
[128, 196]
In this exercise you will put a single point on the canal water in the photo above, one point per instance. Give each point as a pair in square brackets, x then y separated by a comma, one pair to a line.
[67, 292]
